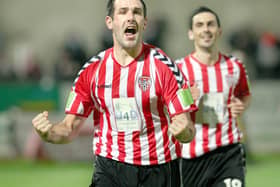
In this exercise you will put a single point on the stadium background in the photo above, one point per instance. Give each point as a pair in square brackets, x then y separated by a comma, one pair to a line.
[43, 25]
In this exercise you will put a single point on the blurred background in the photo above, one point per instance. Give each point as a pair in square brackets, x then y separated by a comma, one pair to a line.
[44, 43]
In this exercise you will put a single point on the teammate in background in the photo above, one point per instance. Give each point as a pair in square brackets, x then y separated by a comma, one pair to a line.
[214, 157]
[140, 103]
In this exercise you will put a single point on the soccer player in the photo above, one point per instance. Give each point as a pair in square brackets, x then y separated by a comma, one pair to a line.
[141, 107]
[214, 157]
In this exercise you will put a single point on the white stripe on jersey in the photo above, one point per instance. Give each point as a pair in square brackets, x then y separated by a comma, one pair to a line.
[80, 109]
[155, 114]
[123, 93]
[213, 78]
[198, 138]
[212, 141]
[104, 140]
[197, 74]
[143, 139]
[226, 87]
[109, 105]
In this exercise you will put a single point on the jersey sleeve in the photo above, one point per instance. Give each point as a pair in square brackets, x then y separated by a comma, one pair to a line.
[243, 85]
[176, 92]
[79, 101]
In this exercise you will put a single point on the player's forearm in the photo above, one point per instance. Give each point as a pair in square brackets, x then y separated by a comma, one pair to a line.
[59, 134]
[65, 131]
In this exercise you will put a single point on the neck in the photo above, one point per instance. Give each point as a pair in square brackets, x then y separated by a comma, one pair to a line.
[124, 56]
[208, 57]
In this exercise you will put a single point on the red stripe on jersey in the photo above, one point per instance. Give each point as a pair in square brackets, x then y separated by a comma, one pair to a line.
[219, 77]
[177, 146]
[230, 72]
[242, 87]
[96, 118]
[205, 78]
[164, 127]
[98, 146]
[116, 80]
[130, 93]
[190, 70]
[177, 105]
[219, 134]
[205, 129]
[121, 144]
[101, 94]
[131, 80]
[148, 116]
[76, 105]
[136, 146]
[97, 133]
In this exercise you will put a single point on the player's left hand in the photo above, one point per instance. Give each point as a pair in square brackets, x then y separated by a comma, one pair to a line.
[182, 128]
[236, 107]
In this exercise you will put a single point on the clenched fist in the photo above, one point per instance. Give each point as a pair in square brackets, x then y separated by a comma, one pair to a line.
[182, 128]
[42, 124]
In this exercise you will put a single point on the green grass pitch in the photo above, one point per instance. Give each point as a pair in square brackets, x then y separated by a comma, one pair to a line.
[14, 173]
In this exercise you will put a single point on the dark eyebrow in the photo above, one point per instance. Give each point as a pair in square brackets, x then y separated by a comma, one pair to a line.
[139, 9]
[198, 23]
[123, 8]
[211, 21]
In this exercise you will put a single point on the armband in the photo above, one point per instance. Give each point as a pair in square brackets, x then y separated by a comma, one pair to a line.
[185, 97]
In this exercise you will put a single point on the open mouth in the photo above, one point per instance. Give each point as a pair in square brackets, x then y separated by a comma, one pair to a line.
[130, 30]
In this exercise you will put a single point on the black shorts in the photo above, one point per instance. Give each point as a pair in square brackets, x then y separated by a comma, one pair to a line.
[111, 173]
[223, 167]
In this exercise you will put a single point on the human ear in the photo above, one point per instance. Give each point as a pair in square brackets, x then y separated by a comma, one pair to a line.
[145, 23]
[109, 22]
[190, 34]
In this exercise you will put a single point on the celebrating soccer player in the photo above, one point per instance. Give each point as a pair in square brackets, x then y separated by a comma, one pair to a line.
[140, 103]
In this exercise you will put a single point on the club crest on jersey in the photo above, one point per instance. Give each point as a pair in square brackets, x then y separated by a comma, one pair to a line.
[144, 83]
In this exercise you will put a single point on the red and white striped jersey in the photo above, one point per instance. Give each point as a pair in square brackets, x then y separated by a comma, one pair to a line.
[218, 83]
[132, 105]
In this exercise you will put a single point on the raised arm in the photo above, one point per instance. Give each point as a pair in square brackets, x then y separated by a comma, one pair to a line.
[60, 133]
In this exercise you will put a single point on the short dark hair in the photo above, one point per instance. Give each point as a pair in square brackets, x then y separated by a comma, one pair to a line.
[202, 9]
[110, 7]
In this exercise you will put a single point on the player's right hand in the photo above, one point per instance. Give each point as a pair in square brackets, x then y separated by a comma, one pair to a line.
[195, 91]
[41, 124]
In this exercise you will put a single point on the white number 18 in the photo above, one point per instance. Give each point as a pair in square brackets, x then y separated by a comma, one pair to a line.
[233, 183]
